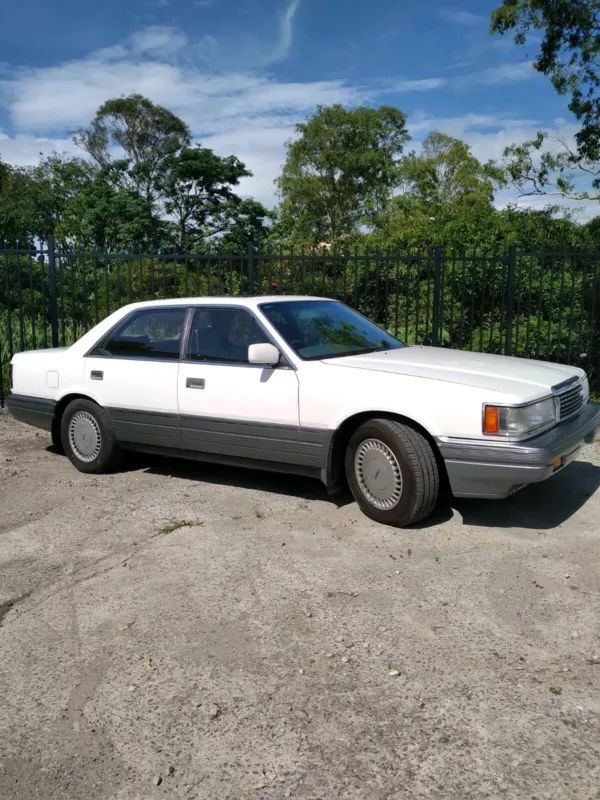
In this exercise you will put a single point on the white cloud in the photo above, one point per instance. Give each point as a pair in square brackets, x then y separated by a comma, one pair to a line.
[461, 17]
[419, 85]
[284, 44]
[158, 41]
[25, 150]
[202, 3]
[504, 73]
[492, 76]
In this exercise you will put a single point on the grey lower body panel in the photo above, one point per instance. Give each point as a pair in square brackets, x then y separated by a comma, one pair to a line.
[145, 427]
[34, 411]
[494, 470]
[223, 438]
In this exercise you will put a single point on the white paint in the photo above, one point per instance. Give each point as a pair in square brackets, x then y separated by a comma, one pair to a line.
[52, 379]
[138, 384]
[240, 393]
[442, 390]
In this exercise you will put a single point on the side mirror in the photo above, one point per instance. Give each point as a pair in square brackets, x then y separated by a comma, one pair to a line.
[266, 354]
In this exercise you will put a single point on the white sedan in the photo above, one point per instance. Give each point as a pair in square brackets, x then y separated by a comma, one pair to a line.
[309, 386]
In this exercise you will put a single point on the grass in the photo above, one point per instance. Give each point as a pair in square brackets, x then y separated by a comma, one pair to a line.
[175, 525]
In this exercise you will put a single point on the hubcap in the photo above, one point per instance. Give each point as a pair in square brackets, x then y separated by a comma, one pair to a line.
[378, 474]
[84, 436]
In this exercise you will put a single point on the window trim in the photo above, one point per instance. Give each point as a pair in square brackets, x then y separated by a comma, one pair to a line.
[327, 300]
[125, 321]
[285, 363]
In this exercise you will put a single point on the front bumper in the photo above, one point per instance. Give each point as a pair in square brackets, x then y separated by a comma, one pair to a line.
[485, 469]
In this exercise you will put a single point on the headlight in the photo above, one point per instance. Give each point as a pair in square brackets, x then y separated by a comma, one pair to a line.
[585, 385]
[519, 420]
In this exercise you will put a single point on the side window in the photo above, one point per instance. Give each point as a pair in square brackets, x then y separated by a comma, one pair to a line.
[223, 334]
[153, 333]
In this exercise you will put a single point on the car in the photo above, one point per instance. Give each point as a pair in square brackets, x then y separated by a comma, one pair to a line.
[309, 386]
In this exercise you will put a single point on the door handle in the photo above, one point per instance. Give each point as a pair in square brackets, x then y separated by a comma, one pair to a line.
[96, 375]
[194, 383]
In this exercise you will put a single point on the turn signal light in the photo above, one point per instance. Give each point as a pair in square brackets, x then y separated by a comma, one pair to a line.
[491, 420]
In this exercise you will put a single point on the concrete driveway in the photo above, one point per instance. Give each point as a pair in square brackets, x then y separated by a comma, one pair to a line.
[247, 653]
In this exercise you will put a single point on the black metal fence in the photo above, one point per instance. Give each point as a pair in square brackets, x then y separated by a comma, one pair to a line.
[531, 304]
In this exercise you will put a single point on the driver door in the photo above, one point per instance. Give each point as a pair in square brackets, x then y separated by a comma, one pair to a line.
[228, 406]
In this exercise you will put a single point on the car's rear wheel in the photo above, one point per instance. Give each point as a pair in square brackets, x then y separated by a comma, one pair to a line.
[88, 438]
[392, 471]
[56, 437]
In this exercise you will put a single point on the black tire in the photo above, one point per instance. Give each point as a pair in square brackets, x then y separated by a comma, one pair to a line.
[100, 435]
[419, 487]
[56, 437]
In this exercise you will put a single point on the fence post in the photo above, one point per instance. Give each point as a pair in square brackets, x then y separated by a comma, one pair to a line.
[437, 297]
[250, 269]
[512, 264]
[52, 291]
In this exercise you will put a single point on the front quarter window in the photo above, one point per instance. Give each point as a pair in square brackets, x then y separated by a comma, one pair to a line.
[320, 329]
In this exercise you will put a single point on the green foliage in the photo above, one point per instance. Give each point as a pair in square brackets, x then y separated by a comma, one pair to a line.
[445, 172]
[341, 169]
[196, 190]
[144, 131]
[568, 54]
[547, 165]
[105, 216]
[22, 214]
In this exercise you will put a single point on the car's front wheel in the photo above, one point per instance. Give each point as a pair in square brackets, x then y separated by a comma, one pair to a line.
[392, 471]
[88, 438]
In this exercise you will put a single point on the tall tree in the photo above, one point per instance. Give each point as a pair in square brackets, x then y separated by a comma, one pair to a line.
[57, 179]
[196, 189]
[106, 216]
[445, 171]
[569, 54]
[17, 205]
[144, 131]
[248, 222]
[342, 168]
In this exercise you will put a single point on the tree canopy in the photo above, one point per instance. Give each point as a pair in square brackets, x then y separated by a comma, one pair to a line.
[568, 54]
[342, 168]
[144, 184]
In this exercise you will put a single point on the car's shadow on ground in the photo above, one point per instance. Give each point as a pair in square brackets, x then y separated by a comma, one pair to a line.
[256, 480]
[542, 506]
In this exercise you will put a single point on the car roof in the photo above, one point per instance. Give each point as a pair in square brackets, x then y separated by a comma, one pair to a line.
[250, 302]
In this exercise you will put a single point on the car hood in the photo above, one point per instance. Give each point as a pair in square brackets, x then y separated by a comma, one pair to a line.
[516, 376]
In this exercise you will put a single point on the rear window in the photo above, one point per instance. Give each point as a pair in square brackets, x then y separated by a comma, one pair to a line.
[152, 333]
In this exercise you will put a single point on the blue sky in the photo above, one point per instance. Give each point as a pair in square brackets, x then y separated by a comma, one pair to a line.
[243, 72]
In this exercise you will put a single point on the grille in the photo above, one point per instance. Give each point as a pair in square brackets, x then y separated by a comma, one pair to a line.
[571, 402]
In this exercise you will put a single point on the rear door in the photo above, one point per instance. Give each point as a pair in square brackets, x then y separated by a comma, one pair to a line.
[133, 372]
[228, 406]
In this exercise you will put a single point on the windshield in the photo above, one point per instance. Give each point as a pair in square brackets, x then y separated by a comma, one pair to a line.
[318, 329]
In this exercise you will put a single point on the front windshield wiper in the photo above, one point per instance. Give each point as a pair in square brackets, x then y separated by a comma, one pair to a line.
[355, 353]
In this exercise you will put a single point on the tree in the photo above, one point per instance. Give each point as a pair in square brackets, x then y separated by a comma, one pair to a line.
[342, 168]
[57, 179]
[547, 165]
[144, 131]
[106, 216]
[569, 54]
[248, 222]
[196, 189]
[444, 172]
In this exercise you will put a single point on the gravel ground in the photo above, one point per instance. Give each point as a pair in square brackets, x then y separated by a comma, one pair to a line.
[247, 653]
